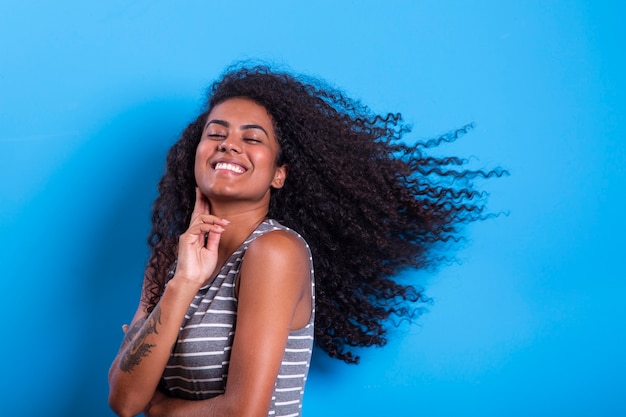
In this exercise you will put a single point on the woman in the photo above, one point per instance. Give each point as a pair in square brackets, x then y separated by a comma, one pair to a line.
[225, 321]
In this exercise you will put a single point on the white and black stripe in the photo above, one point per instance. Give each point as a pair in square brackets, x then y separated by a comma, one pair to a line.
[198, 366]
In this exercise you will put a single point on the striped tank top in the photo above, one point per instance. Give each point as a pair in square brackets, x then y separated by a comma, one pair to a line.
[198, 365]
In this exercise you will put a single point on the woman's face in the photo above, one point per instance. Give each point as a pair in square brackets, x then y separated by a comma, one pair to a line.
[236, 156]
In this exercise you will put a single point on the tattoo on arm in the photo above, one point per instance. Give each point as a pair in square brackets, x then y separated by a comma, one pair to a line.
[136, 335]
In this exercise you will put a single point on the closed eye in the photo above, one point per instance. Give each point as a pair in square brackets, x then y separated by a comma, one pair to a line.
[216, 136]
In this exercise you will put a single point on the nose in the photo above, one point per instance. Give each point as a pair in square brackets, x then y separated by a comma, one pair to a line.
[229, 144]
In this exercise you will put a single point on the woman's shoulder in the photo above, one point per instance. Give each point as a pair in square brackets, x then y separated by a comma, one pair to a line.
[279, 241]
[279, 258]
[273, 232]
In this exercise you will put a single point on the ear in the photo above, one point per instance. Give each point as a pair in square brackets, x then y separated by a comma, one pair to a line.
[280, 175]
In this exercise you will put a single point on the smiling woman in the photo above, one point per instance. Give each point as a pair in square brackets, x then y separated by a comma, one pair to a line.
[238, 152]
[277, 175]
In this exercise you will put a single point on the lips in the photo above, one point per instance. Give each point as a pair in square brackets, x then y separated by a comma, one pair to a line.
[227, 166]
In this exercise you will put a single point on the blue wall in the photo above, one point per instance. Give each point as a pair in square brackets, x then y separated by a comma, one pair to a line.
[531, 319]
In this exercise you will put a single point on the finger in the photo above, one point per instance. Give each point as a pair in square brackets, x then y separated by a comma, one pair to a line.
[211, 219]
[201, 205]
[125, 328]
[212, 241]
[196, 234]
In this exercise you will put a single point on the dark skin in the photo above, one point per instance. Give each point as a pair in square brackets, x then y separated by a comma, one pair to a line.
[235, 169]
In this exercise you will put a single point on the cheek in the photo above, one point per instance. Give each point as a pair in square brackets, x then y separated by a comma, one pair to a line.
[203, 151]
[200, 158]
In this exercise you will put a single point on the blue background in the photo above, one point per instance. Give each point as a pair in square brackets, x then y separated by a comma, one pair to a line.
[529, 321]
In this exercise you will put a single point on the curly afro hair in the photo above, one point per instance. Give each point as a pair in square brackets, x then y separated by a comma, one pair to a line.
[368, 204]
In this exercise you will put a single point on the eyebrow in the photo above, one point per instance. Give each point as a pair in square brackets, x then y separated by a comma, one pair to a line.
[243, 127]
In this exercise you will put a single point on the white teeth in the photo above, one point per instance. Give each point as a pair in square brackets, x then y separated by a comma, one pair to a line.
[229, 167]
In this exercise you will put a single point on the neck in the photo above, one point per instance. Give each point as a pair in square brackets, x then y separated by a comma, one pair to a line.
[243, 218]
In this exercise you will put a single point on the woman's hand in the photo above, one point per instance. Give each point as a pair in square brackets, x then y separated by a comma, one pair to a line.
[198, 246]
[139, 365]
[156, 406]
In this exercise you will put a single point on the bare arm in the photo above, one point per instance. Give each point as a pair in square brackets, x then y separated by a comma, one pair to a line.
[138, 367]
[274, 297]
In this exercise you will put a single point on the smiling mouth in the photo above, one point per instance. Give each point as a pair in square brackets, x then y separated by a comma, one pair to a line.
[229, 167]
